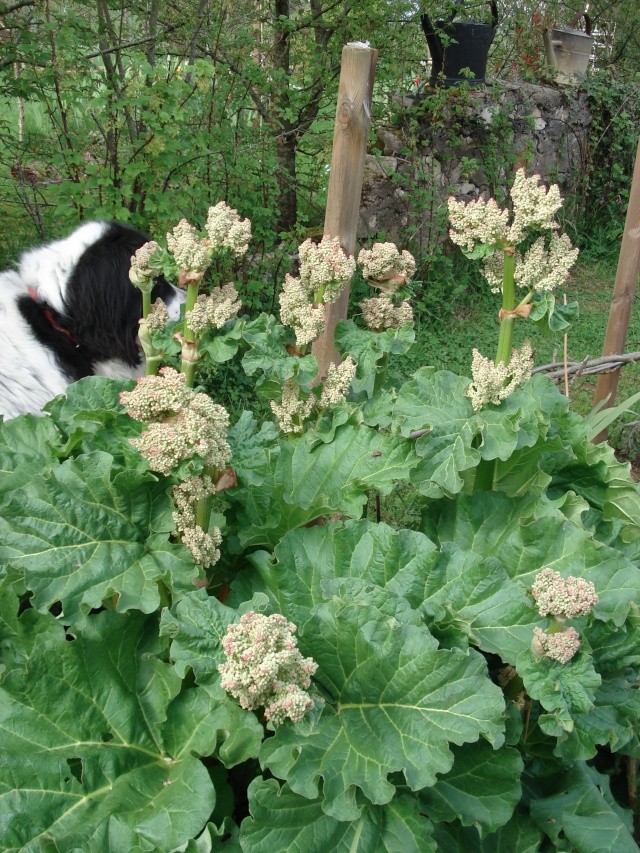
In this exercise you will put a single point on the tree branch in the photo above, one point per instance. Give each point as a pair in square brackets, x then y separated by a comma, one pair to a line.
[128, 44]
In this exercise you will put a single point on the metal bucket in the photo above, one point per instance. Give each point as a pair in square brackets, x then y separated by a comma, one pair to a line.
[568, 51]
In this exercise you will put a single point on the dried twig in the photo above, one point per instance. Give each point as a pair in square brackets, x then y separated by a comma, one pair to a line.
[604, 364]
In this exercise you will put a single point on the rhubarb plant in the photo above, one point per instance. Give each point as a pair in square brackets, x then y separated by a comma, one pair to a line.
[466, 682]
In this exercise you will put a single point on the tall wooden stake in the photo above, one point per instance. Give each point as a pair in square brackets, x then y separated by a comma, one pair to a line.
[623, 293]
[353, 114]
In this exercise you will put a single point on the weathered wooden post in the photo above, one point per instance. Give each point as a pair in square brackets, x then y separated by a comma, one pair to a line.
[623, 294]
[353, 114]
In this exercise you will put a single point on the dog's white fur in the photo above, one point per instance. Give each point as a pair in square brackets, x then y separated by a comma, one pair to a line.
[32, 372]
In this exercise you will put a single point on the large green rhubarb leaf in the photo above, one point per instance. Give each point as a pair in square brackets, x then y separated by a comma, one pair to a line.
[596, 475]
[474, 600]
[455, 437]
[482, 788]
[369, 349]
[206, 721]
[310, 479]
[525, 471]
[28, 444]
[306, 562]
[85, 531]
[564, 690]
[582, 811]
[268, 357]
[525, 535]
[520, 835]
[196, 626]
[283, 820]
[91, 418]
[394, 702]
[463, 597]
[613, 717]
[493, 547]
[92, 756]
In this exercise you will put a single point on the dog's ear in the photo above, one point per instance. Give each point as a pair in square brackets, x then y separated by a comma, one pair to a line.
[51, 329]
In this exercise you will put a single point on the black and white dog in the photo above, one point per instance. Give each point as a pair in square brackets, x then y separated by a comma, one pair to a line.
[68, 311]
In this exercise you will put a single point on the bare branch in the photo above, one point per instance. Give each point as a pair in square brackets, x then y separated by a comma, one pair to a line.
[589, 366]
[135, 43]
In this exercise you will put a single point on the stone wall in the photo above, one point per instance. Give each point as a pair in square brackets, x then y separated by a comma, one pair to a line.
[468, 144]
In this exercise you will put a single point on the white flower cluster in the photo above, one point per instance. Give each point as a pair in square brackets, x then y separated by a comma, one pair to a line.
[534, 206]
[296, 310]
[264, 667]
[564, 598]
[540, 268]
[203, 546]
[155, 398]
[182, 423]
[293, 410]
[143, 271]
[214, 310]
[492, 383]
[158, 317]
[543, 266]
[325, 268]
[190, 251]
[227, 231]
[380, 313]
[337, 383]
[385, 267]
[546, 269]
[561, 598]
[560, 646]
[477, 221]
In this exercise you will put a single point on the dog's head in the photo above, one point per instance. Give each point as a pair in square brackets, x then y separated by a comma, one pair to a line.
[80, 288]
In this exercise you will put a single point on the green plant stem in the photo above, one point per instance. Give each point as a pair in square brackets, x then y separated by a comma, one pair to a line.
[152, 365]
[205, 505]
[203, 513]
[146, 303]
[503, 354]
[189, 340]
[153, 358]
[192, 297]
[188, 367]
[485, 472]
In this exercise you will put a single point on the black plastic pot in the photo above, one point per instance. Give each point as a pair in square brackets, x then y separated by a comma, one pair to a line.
[466, 46]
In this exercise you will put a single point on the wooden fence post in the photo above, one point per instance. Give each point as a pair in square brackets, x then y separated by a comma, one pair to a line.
[623, 294]
[353, 114]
